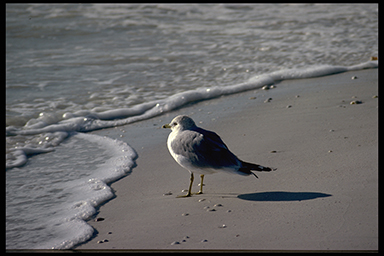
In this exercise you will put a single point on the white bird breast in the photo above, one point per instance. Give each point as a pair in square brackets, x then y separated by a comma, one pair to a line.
[184, 161]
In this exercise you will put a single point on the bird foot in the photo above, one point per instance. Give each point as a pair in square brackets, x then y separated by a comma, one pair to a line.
[190, 194]
[187, 195]
[181, 196]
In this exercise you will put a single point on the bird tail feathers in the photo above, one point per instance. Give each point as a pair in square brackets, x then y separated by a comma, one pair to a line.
[246, 168]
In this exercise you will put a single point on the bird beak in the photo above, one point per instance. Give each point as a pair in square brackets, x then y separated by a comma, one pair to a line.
[166, 126]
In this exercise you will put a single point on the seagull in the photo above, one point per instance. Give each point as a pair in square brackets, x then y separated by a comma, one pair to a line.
[203, 152]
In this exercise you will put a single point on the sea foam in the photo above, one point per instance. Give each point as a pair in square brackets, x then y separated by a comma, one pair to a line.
[86, 120]
[85, 194]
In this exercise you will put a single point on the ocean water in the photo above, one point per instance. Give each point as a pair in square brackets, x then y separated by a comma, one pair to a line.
[73, 68]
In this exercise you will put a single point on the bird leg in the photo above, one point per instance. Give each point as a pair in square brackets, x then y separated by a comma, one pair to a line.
[201, 185]
[190, 187]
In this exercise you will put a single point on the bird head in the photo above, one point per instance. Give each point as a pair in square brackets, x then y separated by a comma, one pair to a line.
[180, 123]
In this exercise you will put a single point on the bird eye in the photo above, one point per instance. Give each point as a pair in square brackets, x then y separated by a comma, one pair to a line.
[174, 124]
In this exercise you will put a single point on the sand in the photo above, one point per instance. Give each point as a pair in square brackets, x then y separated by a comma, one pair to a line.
[323, 195]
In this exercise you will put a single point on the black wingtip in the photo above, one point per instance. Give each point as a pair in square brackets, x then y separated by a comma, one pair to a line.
[255, 167]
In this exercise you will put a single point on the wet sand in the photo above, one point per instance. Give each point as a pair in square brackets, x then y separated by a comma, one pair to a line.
[323, 195]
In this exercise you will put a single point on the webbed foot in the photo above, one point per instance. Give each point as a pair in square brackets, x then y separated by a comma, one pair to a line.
[187, 195]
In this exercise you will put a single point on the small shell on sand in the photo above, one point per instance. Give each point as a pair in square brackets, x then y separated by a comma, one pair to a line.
[218, 205]
[175, 242]
[354, 77]
[265, 87]
[99, 219]
[268, 100]
[355, 102]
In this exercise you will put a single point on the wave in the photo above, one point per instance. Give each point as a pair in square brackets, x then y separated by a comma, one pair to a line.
[85, 194]
[86, 121]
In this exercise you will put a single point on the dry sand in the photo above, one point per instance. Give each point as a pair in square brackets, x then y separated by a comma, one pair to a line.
[323, 195]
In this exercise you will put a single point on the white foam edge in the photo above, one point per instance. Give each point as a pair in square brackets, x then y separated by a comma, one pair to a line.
[90, 192]
[88, 121]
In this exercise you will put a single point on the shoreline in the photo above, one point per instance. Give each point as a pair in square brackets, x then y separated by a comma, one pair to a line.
[313, 201]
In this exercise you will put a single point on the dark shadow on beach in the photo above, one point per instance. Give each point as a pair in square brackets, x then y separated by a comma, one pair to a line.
[281, 196]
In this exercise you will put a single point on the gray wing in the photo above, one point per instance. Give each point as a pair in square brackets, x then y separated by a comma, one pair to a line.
[205, 149]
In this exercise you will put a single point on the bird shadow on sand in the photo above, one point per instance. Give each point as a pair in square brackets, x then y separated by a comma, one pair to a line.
[281, 196]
